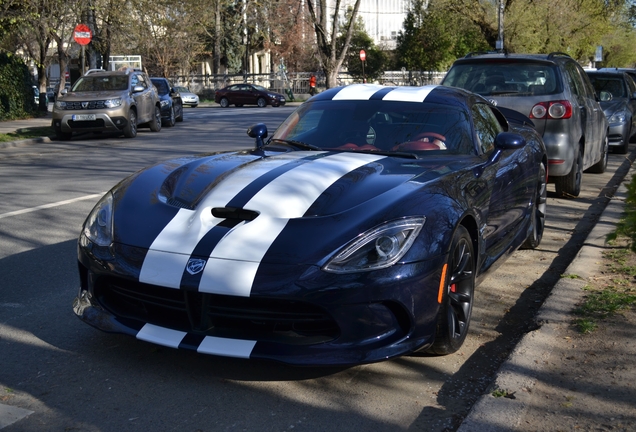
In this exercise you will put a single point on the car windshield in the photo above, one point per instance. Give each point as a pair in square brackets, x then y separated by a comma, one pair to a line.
[378, 125]
[182, 89]
[505, 78]
[162, 87]
[614, 85]
[259, 88]
[101, 83]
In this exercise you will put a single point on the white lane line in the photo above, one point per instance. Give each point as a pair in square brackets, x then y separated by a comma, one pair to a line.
[46, 206]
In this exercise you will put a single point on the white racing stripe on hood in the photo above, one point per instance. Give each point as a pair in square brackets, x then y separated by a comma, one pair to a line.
[170, 251]
[409, 94]
[234, 261]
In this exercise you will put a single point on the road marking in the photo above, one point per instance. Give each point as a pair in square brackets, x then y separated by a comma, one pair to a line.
[46, 206]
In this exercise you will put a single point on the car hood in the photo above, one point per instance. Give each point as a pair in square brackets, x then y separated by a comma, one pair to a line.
[610, 107]
[191, 195]
[92, 95]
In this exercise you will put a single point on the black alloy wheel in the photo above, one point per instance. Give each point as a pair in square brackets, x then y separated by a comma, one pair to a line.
[155, 123]
[261, 102]
[224, 103]
[456, 304]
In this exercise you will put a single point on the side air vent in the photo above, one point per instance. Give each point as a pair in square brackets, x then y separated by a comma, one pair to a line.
[234, 213]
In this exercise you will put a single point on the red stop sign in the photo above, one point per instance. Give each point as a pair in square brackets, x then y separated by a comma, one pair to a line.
[363, 55]
[82, 34]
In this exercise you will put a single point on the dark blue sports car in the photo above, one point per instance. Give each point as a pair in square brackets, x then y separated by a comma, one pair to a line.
[356, 233]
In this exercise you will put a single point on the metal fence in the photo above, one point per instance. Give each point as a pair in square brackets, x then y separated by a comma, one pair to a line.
[298, 82]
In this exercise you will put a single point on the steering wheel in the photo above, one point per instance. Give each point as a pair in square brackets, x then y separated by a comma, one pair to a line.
[423, 141]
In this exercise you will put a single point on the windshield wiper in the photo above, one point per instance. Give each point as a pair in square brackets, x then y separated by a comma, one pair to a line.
[297, 144]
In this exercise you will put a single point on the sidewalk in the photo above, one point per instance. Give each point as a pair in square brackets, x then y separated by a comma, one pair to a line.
[558, 380]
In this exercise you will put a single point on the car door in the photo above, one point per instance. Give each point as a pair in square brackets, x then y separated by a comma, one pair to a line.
[588, 109]
[509, 181]
[146, 96]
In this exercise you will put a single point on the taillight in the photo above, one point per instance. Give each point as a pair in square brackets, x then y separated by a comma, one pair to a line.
[561, 109]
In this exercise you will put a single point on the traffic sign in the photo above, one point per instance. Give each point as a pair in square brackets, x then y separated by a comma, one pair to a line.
[82, 34]
[363, 55]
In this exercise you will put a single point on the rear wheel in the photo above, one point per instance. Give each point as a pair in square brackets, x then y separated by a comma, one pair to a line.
[261, 102]
[457, 294]
[569, 186]
[155, 123]
[130, 130]
[537, 212]
[224, 103]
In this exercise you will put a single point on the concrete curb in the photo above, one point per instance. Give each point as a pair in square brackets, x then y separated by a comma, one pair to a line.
[524, 366]
[24, 142]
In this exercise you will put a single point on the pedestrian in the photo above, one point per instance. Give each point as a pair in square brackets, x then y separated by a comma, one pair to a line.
[312, 85]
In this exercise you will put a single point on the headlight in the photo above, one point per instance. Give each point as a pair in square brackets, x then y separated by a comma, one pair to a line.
[164, 103]
[272, 96]
[112, 103]
[60, 104]
[618, 117]
[378, 248]
[98, 227]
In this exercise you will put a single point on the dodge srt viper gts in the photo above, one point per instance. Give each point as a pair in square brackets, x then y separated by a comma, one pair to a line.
[357, 232]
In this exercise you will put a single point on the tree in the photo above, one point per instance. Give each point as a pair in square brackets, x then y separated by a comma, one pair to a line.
[376, 59]
[326, 27]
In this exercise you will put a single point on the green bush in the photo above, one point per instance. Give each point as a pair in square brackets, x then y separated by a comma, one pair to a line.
[16, 89]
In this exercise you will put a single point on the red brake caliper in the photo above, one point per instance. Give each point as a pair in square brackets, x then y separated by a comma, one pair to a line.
[453, 288]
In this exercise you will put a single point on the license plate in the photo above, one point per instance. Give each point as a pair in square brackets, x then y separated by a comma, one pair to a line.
[83, 117]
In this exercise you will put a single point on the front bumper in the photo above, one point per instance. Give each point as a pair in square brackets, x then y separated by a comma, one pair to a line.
[68, 122]
[618, 134]
[298, 315]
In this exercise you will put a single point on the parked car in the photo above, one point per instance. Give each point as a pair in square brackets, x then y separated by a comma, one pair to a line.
[629, 71]
[248, 94]
[555, 92]
[36, 96]
[171, 102]
[617, 93]
[356, 233]
[116, 101]
[188, 97]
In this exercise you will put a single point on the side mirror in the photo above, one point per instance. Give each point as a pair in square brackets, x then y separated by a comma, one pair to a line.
[509, 141]
[605, 96]
[64, 91]
[259, 132]
[138, 89]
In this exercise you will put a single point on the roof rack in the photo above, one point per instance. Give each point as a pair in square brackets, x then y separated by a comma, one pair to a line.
[476, 53]
[557, 53]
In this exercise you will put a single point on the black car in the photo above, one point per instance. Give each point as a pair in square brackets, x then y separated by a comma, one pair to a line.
[356, 233]
[617, 92]
[248, 94]
[171, 103]
[554, 91]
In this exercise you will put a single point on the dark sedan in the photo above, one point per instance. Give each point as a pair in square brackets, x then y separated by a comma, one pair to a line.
[248, 94]
[171, 103]
[356, 233]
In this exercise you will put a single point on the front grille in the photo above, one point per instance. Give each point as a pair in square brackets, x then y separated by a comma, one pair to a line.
[99, 104]
[276, 320]
[99, 123]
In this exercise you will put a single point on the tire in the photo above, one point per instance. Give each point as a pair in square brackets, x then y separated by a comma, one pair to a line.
[130, 130]
[569, 186]
[600, 166]
[180, 116]
[170, 122]
[224, 103]
[537, 212]
[261, 102]
[155, 123]
[453, 318]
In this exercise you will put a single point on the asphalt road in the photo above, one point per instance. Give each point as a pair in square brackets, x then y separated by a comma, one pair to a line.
[58, 374]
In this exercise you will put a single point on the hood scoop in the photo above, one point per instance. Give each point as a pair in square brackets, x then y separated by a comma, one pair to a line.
[234, 213]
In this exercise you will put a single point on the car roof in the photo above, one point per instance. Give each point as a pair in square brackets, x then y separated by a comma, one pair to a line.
[551, 57]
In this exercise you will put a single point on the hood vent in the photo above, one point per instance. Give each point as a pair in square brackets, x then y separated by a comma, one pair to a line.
[234, 213]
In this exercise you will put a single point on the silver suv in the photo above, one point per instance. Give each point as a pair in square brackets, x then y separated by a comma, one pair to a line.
[117, 101]
[553, 91]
